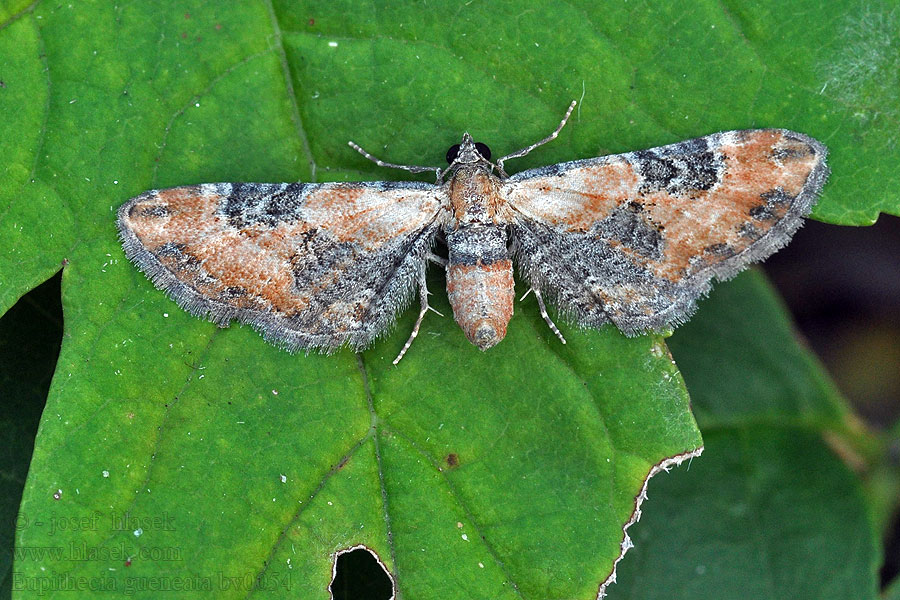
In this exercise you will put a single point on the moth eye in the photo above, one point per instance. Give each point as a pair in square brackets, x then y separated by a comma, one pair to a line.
[483, 150]
[452, 153]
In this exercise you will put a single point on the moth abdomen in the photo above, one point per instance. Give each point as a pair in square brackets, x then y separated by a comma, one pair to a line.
[480, 282]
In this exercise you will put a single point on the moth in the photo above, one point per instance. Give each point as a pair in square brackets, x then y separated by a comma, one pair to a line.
[630, 239]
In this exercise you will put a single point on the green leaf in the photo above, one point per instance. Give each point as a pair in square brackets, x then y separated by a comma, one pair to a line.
[770, 509]
[553, 444]
[201, 446]
[29, 344]
[766, 513]
[892, 592]
[744, 366]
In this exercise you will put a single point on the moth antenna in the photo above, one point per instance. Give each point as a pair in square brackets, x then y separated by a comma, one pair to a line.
[549, 138]
[381, 163]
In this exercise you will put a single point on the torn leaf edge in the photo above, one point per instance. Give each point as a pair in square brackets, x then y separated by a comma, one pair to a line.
[626, 544]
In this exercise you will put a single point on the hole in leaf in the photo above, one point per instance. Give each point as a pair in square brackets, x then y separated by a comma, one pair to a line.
[359, 575]
[30, 338]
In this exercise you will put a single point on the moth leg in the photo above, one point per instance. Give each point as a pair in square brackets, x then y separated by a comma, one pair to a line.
[549, 138]
[437, 259]
[423, 300]
[544, 314]
[410, 168]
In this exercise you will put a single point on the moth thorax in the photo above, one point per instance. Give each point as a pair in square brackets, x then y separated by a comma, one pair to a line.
[480, 282]
[474, 196]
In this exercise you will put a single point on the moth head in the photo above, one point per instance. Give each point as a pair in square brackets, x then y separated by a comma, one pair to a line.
[468, 152]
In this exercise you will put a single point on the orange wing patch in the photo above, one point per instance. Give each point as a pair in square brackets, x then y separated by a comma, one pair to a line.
[635, 238]
[763, 174]
[309, 265]
[588, 191]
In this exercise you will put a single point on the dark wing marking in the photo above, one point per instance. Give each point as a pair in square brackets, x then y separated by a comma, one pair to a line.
[307, 265]
[636, 238]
